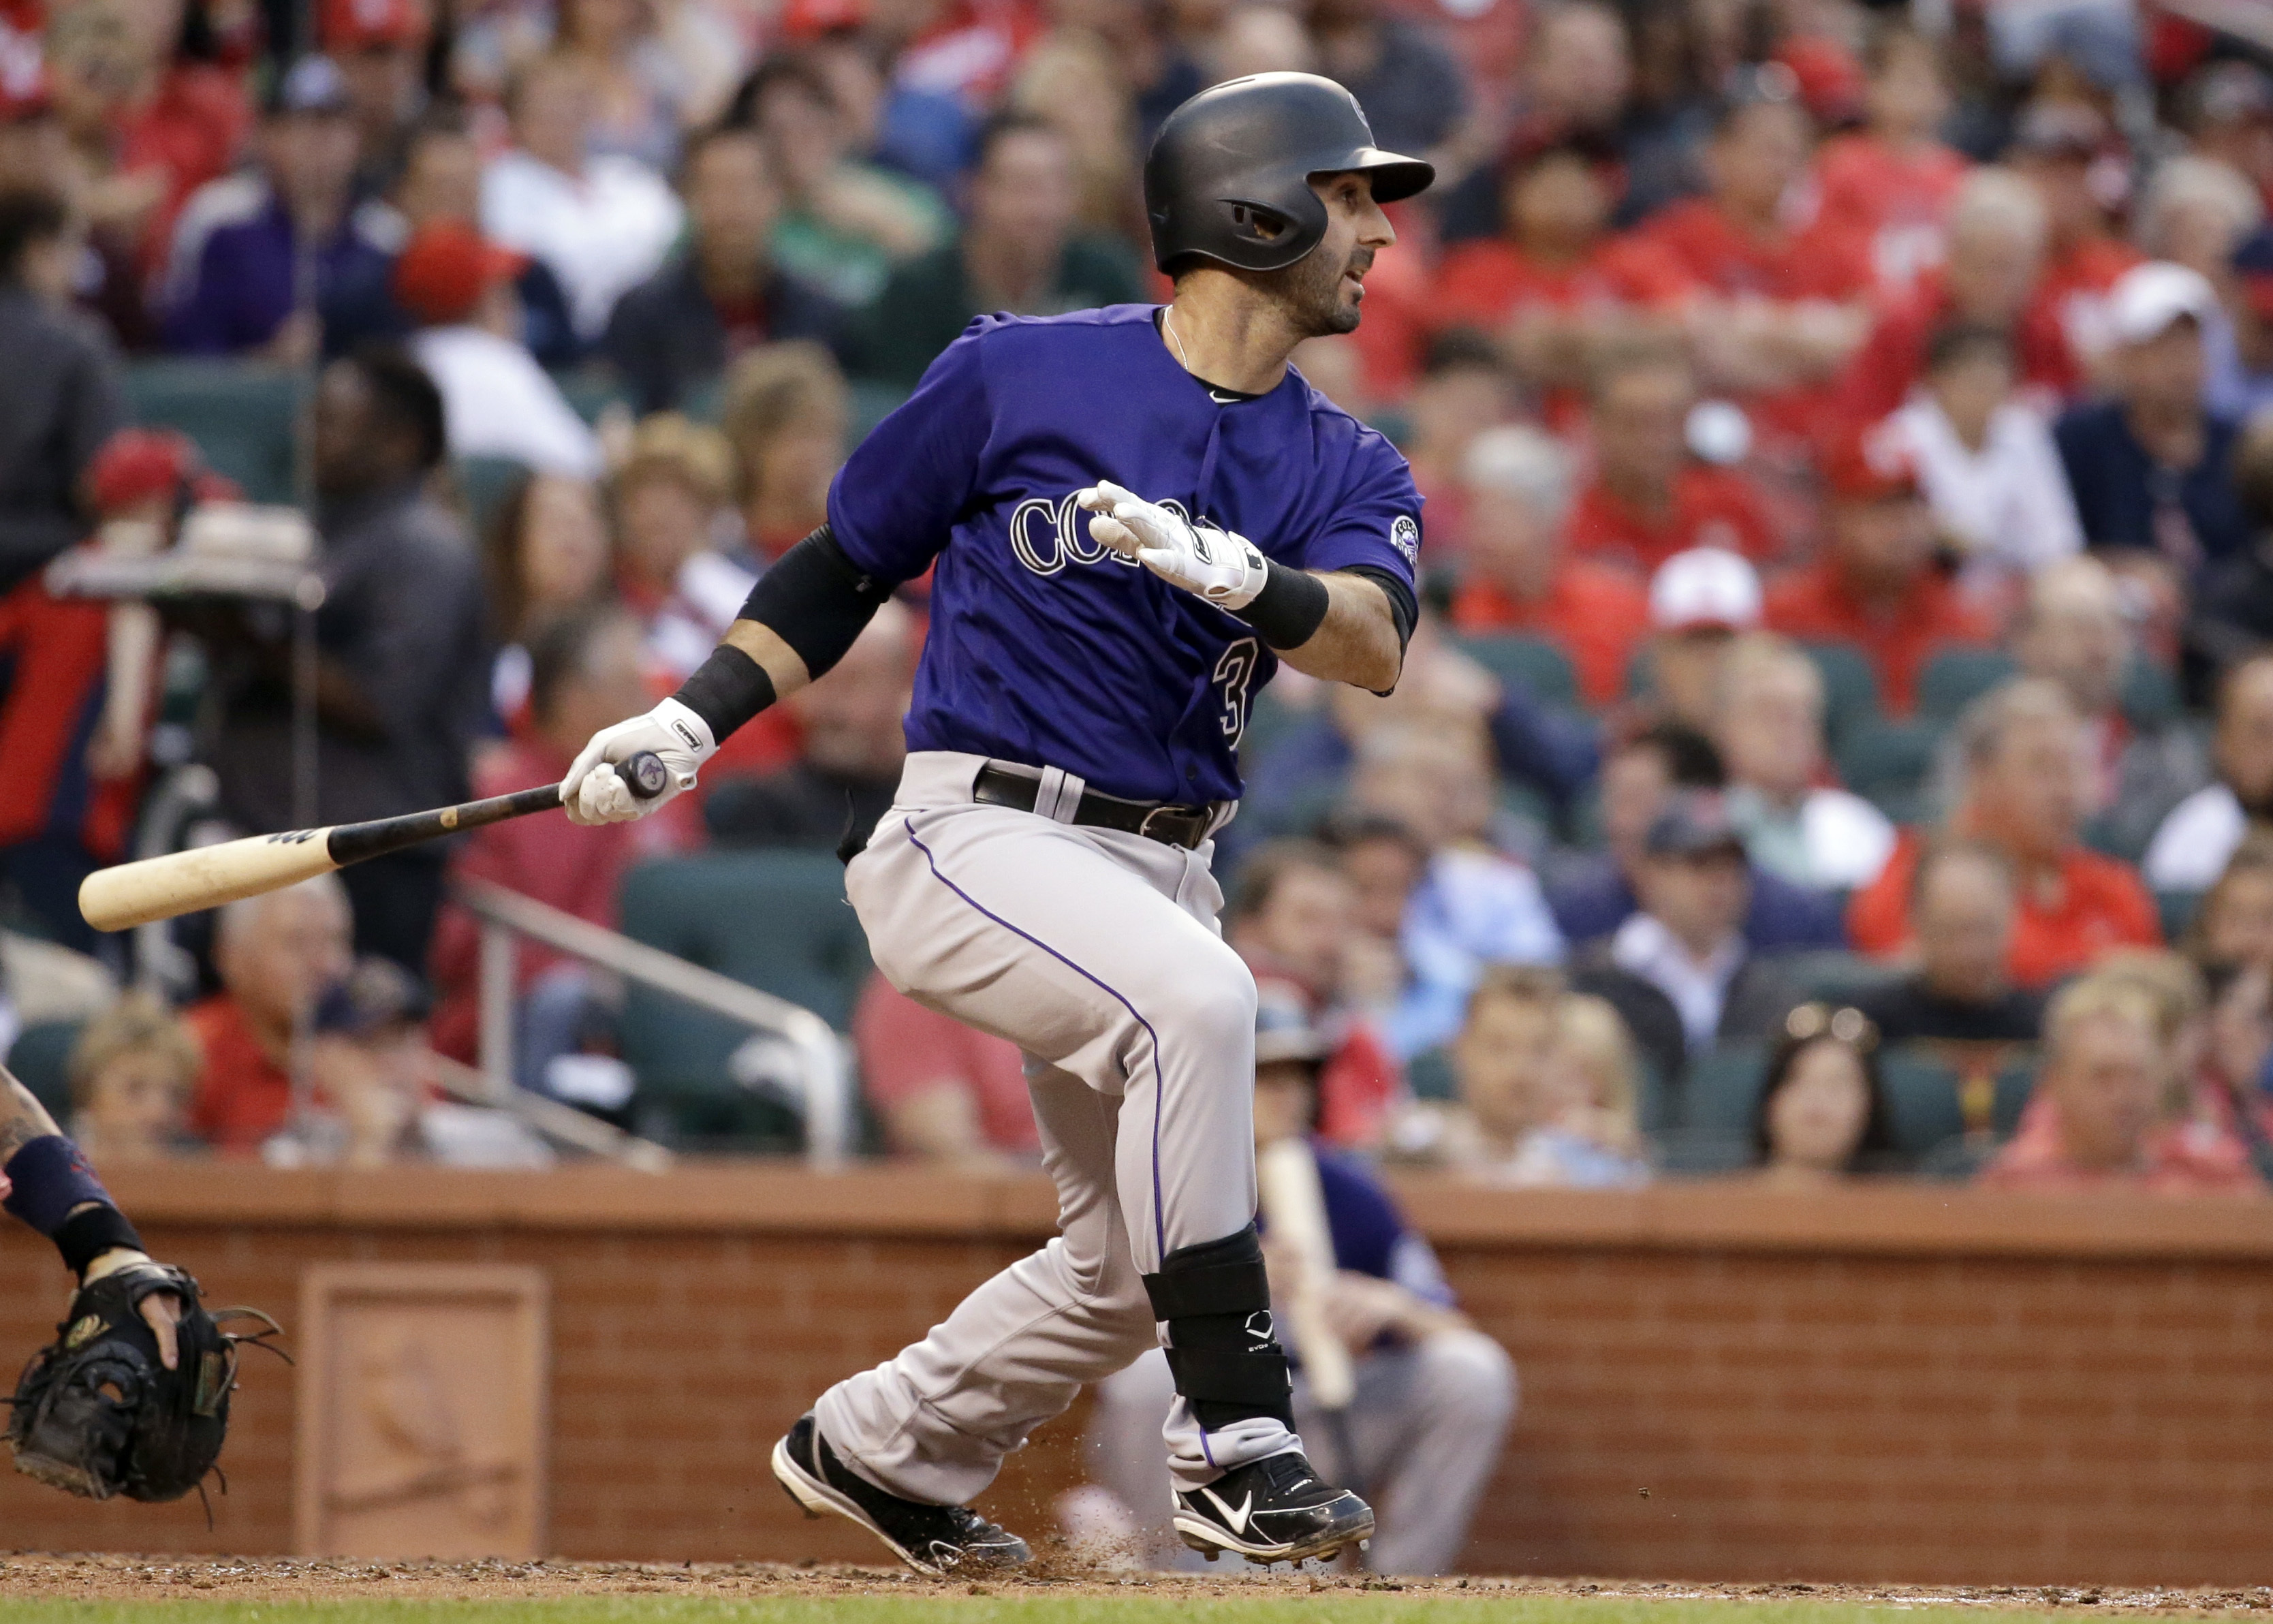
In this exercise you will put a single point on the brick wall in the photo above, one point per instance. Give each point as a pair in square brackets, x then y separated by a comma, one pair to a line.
[1924, 1386]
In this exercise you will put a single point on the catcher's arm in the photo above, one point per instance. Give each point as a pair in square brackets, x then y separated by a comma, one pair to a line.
[45, 1182]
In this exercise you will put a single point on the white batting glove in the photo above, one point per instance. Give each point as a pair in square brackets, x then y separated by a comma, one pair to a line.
[1225, 570]
[593, 793]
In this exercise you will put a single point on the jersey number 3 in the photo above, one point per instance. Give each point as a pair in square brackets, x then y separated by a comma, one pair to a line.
[1234, 674]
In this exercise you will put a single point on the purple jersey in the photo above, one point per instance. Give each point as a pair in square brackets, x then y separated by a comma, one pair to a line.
[1046, 647]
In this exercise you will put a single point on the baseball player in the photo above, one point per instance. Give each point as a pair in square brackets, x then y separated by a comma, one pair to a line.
[1132, 515]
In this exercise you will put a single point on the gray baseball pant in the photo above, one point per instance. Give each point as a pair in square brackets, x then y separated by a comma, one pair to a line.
[1095, 952]
[1425, 1424]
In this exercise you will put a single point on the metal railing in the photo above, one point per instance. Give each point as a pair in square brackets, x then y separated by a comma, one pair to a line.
[822, 1080]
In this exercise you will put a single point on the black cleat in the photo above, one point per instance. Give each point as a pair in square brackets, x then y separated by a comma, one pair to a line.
[1276, 1509]
[931, 1539]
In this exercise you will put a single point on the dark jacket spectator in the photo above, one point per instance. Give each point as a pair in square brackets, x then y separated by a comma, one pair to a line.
[1962, 911]
[64, 402]
[849, 766]
[247, 245]
[1684, 954]
[2151, 468]
[722, 294]
[403, 684]
[1017, 251]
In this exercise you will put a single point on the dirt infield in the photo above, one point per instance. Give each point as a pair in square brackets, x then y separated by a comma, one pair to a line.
[27, 1575]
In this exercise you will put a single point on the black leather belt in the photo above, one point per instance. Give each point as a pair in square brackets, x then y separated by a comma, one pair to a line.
[1184, 826]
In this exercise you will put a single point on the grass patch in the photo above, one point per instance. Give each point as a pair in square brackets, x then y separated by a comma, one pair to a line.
[1345, 1606]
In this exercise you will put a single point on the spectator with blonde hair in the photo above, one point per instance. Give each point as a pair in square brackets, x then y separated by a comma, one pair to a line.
[1768, 722]
[132, 1074]
[2098, 1120]
[1071, 81]
[669, 495]
[2025, 791]
[787, 413]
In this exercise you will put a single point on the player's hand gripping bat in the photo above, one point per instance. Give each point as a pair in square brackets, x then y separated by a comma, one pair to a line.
[1287, 1174]
[186, 882]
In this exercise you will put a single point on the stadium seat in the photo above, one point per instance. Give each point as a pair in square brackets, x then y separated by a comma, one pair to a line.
[591, 391]
[1888, 763]
[1925, 1104]
[1953, 677]
[1534, 663]
[2176, 909]
[777, 920]
[241, 416]
[41, 1059]
[2151, 695]
[1717, 1102]
[1850, 691]
[1834, 975]
[485, 482]
[1429, 1075]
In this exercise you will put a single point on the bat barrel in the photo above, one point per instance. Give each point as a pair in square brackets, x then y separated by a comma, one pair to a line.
[203, 877]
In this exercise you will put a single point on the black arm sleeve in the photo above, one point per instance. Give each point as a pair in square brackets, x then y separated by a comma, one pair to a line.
[1402, 607]
[815, 599]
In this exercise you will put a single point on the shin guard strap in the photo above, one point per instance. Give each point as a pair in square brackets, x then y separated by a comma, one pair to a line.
[1215, 1300]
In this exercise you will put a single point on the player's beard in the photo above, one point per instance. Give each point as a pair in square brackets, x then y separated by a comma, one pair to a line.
[1315, 297]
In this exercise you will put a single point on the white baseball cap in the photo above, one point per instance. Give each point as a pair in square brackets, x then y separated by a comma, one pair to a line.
[1705, 586]
[2147, 298]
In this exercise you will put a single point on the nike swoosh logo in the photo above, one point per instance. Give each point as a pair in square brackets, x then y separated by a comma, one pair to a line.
[1236, 1518]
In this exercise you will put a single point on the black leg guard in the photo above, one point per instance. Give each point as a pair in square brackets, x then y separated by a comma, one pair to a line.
[1225, 1355]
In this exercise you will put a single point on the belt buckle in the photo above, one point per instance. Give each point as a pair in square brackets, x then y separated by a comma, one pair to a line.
[1145, 824]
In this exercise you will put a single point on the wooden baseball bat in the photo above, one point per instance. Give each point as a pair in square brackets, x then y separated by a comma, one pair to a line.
[206, 877]
[1294, 1207]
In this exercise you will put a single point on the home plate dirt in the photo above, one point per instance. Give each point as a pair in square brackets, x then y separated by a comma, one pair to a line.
[25, 1575]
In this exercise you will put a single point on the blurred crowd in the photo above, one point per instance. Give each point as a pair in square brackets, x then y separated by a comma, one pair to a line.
[1839, 736]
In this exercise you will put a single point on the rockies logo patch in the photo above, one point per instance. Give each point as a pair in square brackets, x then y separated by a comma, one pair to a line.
[1404, 536]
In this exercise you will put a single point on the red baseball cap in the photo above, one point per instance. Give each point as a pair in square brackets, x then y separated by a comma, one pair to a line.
[364, 24]
[135, 465]
[810, 20]
[1871, 464]
[447, 267]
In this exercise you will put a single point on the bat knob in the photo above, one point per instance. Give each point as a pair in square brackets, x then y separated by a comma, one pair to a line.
[644, 775]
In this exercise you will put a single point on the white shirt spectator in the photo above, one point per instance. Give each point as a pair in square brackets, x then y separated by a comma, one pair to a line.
[499, 402]
[2007, 504]
[1832, 841]
[601, 234]
[2195, 841]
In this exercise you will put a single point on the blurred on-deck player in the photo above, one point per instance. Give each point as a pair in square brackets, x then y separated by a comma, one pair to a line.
[1132, 514]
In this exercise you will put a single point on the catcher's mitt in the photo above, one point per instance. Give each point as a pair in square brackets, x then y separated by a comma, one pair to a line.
[97, 1414]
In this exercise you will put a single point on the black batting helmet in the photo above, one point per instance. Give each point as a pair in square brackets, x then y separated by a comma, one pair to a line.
[1228, 178]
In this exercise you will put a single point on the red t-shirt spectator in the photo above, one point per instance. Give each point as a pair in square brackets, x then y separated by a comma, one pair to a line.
[1595, 613]
[1896, 202]
[2070, 297]
[58, 653]
[907, 1050]
[2097, 903]
[1712, 507]
[244, 1094]
[1878, 379]
[191, 130]
[1815, 604]
[1484, 283]
[2185, 1158]
[576, 869]
[1830, 259]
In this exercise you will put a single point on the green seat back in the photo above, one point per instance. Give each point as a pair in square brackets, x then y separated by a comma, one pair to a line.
[1850, 689]
[1955, 677]
[41, 1059]
[778, 921]
[1532, 663]
[1721, 1093]
[486, 482]
[591, 391]
[241, 416]
[2176, 909]
[1429, 1075]
[1923, 1107]
[2151, 695]
[1888, 764]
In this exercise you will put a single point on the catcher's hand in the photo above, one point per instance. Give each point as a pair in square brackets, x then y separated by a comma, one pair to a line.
[1227, 570]
[102, 1410]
